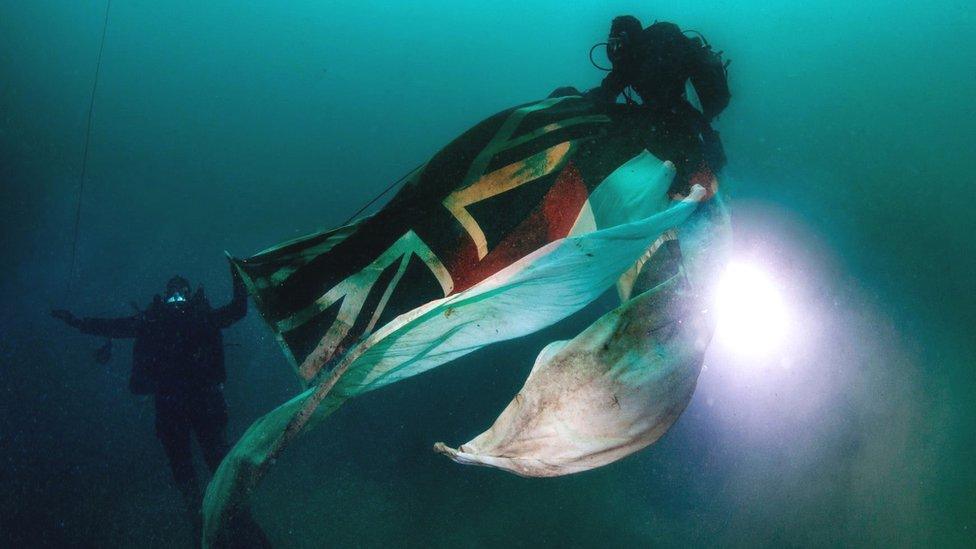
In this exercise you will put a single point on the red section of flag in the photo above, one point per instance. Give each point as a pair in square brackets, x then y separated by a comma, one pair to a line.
[551, 220]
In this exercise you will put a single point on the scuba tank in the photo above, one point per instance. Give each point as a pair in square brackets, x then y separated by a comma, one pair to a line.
[710, 77]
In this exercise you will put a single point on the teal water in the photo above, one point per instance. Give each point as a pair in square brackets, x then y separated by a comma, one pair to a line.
[236, 125]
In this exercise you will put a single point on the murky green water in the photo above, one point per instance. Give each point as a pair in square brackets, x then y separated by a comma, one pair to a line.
[235, 125]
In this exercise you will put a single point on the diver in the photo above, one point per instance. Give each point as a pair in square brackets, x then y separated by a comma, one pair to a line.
[178, 357]
[657, 63]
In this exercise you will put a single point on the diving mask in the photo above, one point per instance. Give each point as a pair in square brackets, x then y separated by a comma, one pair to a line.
[179, 296]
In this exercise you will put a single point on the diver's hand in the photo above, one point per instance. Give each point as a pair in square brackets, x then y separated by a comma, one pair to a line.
[64, 316]
[697, 193]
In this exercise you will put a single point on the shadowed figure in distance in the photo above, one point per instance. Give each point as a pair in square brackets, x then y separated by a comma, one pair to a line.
[178, 358]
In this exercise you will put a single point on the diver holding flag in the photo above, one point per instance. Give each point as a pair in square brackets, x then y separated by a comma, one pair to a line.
[681, 82]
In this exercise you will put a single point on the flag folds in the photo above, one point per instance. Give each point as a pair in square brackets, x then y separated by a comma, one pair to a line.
[521, 221]
[620, 384]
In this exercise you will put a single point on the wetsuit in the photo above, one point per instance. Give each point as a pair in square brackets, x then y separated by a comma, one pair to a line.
[657, 65]
[178, 357]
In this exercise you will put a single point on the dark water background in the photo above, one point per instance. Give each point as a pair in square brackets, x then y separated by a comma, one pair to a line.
[235, 125]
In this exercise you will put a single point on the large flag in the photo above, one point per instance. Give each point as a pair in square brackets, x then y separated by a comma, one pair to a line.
[620, 384]
[518, 223]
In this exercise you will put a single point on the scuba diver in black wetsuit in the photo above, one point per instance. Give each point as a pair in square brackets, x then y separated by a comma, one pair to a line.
[178, 357]
[657, 62]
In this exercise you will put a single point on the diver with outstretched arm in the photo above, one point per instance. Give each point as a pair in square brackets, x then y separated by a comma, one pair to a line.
[178, 357]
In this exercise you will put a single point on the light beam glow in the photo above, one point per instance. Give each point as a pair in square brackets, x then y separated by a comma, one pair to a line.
[753, 319]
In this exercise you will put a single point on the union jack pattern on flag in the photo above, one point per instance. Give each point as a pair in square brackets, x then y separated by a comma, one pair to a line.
[521, 221]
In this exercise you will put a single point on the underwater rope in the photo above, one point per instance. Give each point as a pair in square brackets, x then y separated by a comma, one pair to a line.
[84, 161]
[377, 197]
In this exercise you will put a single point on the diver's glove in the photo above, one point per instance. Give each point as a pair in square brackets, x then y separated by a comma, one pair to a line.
[66, 317]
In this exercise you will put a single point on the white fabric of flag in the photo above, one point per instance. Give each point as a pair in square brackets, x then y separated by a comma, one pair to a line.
[619, 385]
[534, 292]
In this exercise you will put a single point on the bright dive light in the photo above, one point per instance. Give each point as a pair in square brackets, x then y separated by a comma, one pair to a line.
[752, 317]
